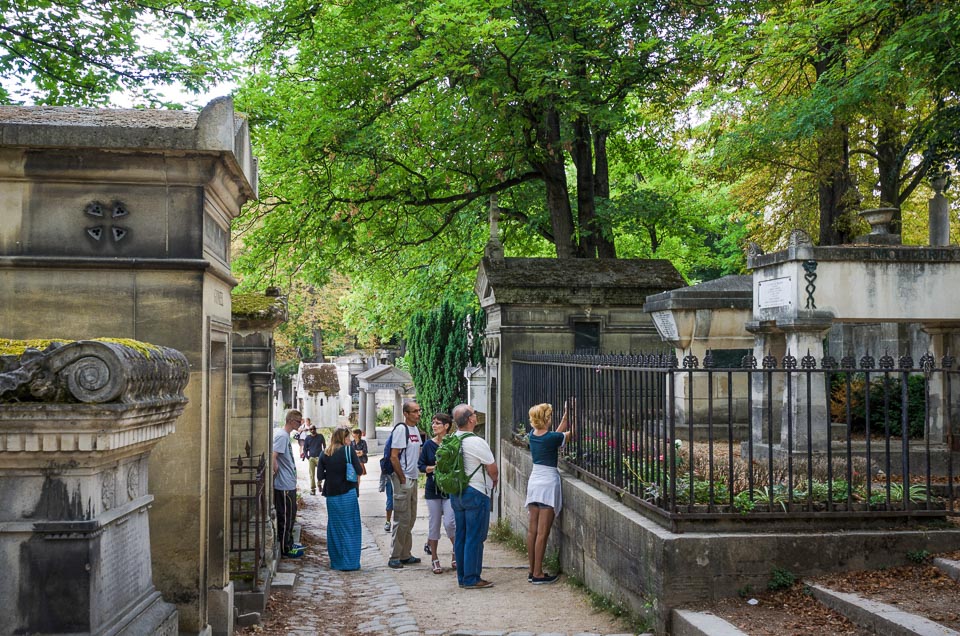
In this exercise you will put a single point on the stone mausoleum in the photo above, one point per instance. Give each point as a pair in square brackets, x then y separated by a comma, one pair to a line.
[116, 223]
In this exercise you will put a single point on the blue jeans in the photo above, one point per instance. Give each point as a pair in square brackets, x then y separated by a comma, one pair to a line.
[471, 509]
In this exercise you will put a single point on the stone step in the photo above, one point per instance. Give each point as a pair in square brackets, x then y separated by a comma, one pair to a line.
[949, 567]
[689, 623]
[879, 617]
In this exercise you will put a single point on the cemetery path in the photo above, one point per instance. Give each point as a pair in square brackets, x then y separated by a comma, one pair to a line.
[413, 600]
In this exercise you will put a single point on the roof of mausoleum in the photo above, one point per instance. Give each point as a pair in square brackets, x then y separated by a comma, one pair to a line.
[729, 292]
[216, 129]
[320, 378]
[610, 281]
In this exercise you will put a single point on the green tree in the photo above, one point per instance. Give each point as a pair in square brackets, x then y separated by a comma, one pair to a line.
[388, 124]
[79, 52]
[823, 96]
[441, 343]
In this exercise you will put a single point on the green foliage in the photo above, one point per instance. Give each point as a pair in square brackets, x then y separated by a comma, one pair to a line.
[918, 556]
[82, 51]
[385, 416]
[503, 533]
[781, 579]
[886, 403]
[441, 343]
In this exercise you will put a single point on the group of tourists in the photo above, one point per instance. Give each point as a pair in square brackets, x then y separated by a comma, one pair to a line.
[463, 516]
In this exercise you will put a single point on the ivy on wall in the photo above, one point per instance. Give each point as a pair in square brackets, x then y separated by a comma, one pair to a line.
[441, 343]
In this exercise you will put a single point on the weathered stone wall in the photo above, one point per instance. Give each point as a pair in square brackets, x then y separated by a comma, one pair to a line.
[624, 555]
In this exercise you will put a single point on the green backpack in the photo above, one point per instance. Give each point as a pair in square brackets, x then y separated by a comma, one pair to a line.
[449, 474]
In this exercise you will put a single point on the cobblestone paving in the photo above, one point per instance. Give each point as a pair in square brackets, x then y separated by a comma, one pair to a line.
[369, 601]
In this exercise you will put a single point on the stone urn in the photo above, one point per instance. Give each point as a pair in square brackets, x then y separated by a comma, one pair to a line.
[879, 219]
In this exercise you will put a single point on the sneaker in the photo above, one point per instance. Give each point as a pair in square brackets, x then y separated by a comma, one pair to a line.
[386, 527]
[293, 553]
[546, 579]
[529, 577]
[313, 492]
[299, 546]
[426, 548]
[396, 564]
[479, 585]
[411, 560]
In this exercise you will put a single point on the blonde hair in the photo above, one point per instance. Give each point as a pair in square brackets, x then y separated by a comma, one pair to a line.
[540, 416]
[337, 440]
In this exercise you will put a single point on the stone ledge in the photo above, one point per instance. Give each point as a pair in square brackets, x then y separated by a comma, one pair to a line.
[879, 617]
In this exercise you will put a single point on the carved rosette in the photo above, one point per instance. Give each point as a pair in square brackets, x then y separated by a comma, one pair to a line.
[94, 372]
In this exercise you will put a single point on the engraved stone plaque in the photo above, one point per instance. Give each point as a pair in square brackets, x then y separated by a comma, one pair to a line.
[776, 292]
[666, 325]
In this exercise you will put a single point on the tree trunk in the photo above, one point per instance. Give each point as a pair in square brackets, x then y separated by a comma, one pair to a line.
[606, 248]
[888, 167]
[555, 180]
[833, 159]
[586, 205]
[317, 344]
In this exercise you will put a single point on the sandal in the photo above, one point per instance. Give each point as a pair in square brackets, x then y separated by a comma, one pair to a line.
[436, 567]
[453, 563]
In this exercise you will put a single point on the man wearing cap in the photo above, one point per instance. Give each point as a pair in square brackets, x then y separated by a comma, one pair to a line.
[313, 446]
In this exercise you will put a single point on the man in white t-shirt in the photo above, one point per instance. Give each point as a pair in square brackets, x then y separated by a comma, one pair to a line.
[471, 508]
[404, 455]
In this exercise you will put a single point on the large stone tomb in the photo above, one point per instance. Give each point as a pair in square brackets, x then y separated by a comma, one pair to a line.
[77, 424]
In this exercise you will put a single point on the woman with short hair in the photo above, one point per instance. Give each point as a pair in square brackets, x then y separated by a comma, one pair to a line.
[343, 507]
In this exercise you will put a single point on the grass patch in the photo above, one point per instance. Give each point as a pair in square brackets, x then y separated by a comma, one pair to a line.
[503, 533]
[638, 624]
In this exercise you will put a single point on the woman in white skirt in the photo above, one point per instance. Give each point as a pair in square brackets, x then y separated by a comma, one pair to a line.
[544, 498]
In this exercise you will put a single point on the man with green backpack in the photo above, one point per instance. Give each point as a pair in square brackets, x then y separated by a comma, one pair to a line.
[466, 471]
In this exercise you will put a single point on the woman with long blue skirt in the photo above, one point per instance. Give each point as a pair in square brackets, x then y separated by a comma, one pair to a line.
[343, 507]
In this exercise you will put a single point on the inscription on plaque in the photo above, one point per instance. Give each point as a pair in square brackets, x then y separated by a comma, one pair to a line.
[123, 552]
[776, 292]
[666, 325]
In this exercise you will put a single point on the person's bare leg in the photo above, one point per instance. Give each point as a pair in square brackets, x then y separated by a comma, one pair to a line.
[545, 523]
[532, 526]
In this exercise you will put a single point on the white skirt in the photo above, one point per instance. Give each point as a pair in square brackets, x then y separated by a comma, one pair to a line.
[544, 487]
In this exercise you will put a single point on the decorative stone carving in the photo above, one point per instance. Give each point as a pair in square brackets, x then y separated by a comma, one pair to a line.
[799, 238]
[98, 210]
[754, 249]
[133, 481]
[70, 416]
[93, 371]
[108, 489]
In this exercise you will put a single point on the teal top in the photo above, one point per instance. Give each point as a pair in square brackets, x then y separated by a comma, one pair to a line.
[545, 448]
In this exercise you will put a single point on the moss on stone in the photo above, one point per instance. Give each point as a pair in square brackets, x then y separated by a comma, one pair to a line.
[10, 347]
[254, 305]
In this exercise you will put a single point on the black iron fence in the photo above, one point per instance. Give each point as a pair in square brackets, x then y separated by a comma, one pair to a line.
[248, 518]
[785, 438]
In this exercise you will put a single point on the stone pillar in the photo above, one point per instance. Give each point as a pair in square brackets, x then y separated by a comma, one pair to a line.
[398, 408]
[944, 341]
[366, 422]
[76, 429]
[768, 340]
[939, 213]
[371, 413]
[804, 336]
